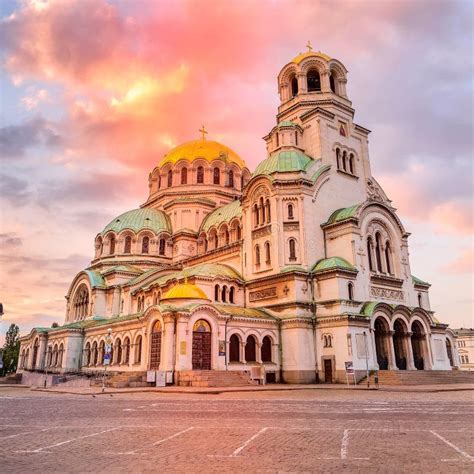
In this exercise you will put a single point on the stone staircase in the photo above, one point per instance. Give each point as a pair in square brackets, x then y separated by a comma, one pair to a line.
[214, 378]
[421, 377]
[123, 380]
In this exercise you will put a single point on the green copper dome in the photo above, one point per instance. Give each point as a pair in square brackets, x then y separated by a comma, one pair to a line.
[139, 219]
[222, 214]
[284, 161]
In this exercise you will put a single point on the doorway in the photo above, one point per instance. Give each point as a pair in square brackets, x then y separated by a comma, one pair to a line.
[327, 370]
[155, 355]
[202, 345]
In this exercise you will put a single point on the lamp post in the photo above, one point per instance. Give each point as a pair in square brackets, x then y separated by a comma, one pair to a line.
[367, 359]
[106, 356]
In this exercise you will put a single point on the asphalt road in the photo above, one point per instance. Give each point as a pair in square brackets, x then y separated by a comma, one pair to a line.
[317, 431]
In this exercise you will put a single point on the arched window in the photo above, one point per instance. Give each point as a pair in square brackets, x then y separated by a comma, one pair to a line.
[332, 83]
[369, 253]
[266, 350]
[231, 179]
[338, 158]
[350, 291]
[255, 215]
[159, 181]
[87, 355]
[277, 139]
[60, 355]
[111, 245]
[257, 255]
[267, 210]
[128, 244]
[200, 175]
[344, 161]
[145, 244]
[227, 237]
[250, 349]
[239, 232]
[268, 257]
[296, 138]
[262, 211]
[420, 301]
[217, 175]
[100, 247]
[184, 175]
[224, 294]
[138, 350]
[294, 86]
[55, 356]
[216, 292]
[378, 256]
[388, 258]
[81, 302]
[314, 81]
[290, 212]
[292, 248]
[351, 163]
[126, 346]
[170, 178]
[162, 247]
[234, 348]
[231, 294]
[118, 352]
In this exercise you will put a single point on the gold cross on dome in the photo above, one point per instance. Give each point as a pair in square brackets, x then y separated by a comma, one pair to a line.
[204, 132]
[308, 45]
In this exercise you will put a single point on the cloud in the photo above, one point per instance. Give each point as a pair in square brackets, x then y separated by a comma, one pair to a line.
[462, 264]
[14, 190]
[10, 241]
[16, 139]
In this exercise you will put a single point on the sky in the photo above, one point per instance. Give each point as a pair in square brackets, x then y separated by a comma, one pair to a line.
[94, 92]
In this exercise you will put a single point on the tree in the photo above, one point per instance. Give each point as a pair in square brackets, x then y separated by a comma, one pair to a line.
[11, 349]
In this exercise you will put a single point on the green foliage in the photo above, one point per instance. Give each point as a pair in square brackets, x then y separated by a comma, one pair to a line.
[11, 350]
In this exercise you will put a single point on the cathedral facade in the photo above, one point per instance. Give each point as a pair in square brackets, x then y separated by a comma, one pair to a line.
[301, 266]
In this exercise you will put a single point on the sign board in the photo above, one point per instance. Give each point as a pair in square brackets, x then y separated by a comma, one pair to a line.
[150, 375]
[349, 368]
[182, 348]
[107, 357]
[108, 348]
[222, 348]
[160, 378]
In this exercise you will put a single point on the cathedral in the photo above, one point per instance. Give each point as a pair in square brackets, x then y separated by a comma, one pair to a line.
[300, 268]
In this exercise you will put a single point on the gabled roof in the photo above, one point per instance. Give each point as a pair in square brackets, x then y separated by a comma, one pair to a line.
[222, 214]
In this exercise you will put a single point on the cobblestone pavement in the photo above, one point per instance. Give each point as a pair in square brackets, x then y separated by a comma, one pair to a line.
[317, 431]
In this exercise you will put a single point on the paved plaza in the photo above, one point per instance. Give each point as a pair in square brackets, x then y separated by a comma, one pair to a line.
[310, 430]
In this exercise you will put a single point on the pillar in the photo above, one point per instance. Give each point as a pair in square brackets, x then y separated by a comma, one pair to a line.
[168, 344]
[42, 351]
[392, 363]
[409, 347]
[302, 85]
[258, 352]
[242, 352]
[325, 84]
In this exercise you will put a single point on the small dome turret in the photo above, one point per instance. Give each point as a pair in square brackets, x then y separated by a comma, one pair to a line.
[184, 291]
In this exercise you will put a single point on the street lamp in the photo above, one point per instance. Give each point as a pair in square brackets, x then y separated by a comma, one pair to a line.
[367, 359]
[106, 355]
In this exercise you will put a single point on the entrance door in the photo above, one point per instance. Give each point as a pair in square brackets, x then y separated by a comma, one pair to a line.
[155, 354]
[417, 338]
[398, 345]
[328, 370]
[202, 345]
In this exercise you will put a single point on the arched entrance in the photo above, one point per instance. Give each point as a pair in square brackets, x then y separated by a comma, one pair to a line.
[35, 354]
[155, 350]
[250, 350]
[399, 344]
[417, 344]
[381, 342]
[266, 351]
[449, 350]
[201, 345]
[234, 348]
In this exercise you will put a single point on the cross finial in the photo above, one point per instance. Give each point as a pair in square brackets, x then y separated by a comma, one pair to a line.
[308, 45]
[203, 132]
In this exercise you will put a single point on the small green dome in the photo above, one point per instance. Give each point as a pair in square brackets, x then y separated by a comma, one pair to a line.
[284, 161]
[139, 219]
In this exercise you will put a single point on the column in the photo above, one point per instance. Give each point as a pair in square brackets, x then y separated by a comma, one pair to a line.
[242, 352]
[41, 362]
[116, 302]
[392, 364]
[325, 84]
[258, 352]
[342, 87]
[302, 85]
[168, 343]
[410, 359]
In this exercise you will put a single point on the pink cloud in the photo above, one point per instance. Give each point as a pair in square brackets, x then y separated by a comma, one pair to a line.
[463, 264]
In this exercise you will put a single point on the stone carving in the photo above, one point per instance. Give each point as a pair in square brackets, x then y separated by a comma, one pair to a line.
[374, 192]
[291, 226]
[263, 294]
[386, 293]
[261, 232]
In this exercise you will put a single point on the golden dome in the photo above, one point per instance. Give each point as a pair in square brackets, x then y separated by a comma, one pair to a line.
[185, 291]
[209, 150]
[316, 54]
